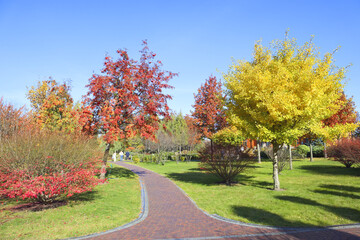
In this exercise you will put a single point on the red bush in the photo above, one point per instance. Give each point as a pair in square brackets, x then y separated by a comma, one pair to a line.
[51, 186]
[346, 151]
[45, 166]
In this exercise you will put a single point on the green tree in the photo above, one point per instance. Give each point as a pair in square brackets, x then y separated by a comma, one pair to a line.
[280, 93]
[178, 130]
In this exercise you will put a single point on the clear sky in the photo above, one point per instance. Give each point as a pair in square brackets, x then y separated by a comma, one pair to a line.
[69, 39]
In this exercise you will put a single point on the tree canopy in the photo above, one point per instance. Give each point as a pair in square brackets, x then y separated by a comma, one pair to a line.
[282, 92]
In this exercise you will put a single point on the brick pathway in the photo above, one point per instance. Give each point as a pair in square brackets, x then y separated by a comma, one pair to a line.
[172, 215]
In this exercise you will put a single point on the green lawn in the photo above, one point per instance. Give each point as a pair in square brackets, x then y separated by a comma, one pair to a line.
[320, 193]
[108, 206]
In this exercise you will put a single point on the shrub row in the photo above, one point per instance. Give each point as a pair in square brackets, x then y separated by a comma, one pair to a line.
[47, 166]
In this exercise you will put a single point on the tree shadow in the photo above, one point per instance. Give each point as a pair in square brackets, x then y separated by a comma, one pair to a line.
[293, 229]
[260, 216]
[196, 177]
[249, 181]
[336, 193]
[119, 172]
[344, 212]
[85, 197]
[332, 170]
[340, 187]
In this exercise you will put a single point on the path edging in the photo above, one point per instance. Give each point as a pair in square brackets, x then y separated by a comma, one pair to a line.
[143, 214]
[254, 225]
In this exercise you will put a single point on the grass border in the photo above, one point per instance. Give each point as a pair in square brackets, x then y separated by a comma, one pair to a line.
[254, 225]
[143, 214]
[284, 230]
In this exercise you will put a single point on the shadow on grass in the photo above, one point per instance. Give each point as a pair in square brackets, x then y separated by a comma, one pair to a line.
[85, 197]
[339, 190]
[119, 172]
[344, 212]
[336, 193]
[249, 181]
[196, 177]
[332, 170]
[340, 187]
[260, 216]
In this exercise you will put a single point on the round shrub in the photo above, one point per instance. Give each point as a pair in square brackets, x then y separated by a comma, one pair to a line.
[303, 150]
[346, 151]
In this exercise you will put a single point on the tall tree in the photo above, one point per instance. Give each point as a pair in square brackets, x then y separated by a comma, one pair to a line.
[178, 129]
[127, 98]
[194, 137]
[209, 115]
[281, 92]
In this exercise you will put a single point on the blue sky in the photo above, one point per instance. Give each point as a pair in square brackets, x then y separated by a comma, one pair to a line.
[69, 39]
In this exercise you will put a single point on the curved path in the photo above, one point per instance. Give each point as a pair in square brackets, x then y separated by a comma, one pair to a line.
[172, 215]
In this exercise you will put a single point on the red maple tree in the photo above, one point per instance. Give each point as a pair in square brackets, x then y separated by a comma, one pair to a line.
[208, 111]
[194, 137]
[346, 114]
[128, 98]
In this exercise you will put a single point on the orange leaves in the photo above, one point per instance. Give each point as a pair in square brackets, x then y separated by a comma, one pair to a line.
[209, 115]
[127, 99]
[54, 108]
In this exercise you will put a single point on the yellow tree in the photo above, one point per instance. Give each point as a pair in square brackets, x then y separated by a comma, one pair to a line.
[53, 106]
[280, 93]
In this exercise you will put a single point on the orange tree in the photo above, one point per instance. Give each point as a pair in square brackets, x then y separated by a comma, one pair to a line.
[127, 98]
[208, 114]
[53, 106]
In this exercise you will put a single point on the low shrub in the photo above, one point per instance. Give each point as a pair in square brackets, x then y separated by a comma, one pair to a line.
[346, 151]
[303, 150]
[47, 166]
[318, 151]
[225, 161]
[136, 159]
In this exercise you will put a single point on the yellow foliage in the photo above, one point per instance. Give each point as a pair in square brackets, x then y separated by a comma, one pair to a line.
[282, 93]
[53, 106]
[230, 135]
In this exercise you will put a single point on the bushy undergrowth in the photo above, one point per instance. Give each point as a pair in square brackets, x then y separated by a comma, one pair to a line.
[302, 150]
[346, 151]
[225, 161]
[46, 166]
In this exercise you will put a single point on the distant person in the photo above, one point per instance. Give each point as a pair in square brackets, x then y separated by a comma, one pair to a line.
[121, 155]
[114, 156]
[127, 154]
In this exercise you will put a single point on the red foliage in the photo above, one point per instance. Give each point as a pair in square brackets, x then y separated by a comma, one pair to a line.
[209, 112]
[128, 98]
[11, 119]
[194, 137]
[346, 151]
[48, 187]
[346, 113]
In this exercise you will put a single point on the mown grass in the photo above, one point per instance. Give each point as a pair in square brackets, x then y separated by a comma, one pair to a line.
[108, 206]
[320, 193]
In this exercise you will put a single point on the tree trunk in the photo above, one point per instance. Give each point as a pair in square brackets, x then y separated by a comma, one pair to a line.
[290, 157]
[258, 151]
[276, 148]
[311, 152]
[325, 152]
[212, 150]
[103, 166]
